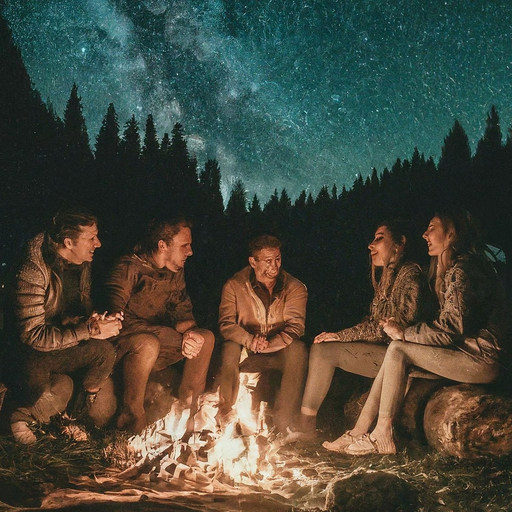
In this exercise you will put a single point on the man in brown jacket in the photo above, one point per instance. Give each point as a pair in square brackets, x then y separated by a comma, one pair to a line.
[55, 332]
[263, 310]
[159, 328]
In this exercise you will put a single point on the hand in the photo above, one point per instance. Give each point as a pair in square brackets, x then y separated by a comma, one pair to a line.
[392, 328]
[105, 326]
[259, 343]
[326, 336]
[191, 344]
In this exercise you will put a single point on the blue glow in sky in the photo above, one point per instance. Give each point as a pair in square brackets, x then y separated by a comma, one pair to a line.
[295, 94]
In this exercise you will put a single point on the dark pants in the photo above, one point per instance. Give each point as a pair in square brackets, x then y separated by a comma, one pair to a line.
[46, 385]
[290, 362]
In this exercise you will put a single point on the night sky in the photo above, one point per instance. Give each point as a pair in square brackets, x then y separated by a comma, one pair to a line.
[287, 93]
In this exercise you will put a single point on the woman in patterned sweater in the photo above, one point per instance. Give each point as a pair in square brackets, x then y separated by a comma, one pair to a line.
[461, 344]
[360, 349]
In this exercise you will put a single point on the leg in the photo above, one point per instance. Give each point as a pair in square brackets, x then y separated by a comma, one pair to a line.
[293, 362]
[137, 354]
[400, 358]
[50, 403]
[195, 371]
[229, 375]
[357, 357]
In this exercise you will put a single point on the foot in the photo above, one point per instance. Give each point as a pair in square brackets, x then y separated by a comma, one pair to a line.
[297, 436]
[367, 445]
[131, 422]
[339, 445]
[22, 433]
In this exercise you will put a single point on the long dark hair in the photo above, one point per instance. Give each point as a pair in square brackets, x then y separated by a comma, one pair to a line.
[407, 250]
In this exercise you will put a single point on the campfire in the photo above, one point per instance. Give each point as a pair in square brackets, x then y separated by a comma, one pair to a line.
[238, 451]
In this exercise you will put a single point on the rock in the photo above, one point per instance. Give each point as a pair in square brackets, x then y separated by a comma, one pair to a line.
[469, 422]
[371, 492]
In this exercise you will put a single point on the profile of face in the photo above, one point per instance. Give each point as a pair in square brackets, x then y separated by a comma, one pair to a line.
[82, 249]
[176, 252]
[438, 237]
[266, 264]
[382, 247]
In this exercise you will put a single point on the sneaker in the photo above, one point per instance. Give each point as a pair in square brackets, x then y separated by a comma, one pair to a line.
[339, 445]
[367, 445]
[22, 433]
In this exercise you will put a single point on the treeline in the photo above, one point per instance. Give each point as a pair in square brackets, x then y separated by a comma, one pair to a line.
[128, 175]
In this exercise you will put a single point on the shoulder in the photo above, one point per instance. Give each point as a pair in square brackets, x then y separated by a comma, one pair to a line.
[32, 265]
[292, 283]
[240, 278]
[409, 272]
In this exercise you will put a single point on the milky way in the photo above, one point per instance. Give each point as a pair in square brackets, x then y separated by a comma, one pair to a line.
[295, 94]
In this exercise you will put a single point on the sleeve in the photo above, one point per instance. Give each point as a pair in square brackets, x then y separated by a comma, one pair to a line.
[119, 286]
[403, 306]
[30, 305]
[183, 311]
[407, 296]
[294, 314]
[228, 326]
[455, 314]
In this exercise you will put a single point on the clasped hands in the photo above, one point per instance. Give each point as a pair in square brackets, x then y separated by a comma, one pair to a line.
[105, 326]
[192, 343]
[258, 344]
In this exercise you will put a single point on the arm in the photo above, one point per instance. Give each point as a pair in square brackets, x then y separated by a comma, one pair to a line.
[294, 315]
[455, 313]
[403, 306]
[119, 286]
[31, 315]
[228, 326]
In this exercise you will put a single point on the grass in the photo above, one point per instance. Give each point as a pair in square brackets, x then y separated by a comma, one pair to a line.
[444, 483]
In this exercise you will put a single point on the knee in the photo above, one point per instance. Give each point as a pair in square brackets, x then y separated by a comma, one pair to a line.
[104, 351]
[395, 350]
[298, 351]
[145, 344]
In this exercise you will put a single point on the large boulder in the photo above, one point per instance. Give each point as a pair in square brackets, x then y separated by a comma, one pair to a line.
[371, 492]
[469, 422]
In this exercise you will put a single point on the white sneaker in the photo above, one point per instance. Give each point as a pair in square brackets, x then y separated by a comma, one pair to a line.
[22, 433]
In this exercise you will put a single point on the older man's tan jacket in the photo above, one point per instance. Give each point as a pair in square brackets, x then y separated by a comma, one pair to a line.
[242, 314]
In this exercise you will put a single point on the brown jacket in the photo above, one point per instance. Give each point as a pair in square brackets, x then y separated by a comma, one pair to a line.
[147, 295]
[242, 314]
[37, 300]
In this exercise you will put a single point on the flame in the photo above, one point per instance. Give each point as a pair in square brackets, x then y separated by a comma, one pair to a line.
[238, 452]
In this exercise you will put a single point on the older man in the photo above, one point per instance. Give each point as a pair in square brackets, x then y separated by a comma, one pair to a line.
[54, 327]
[263, 309]
[159, 326]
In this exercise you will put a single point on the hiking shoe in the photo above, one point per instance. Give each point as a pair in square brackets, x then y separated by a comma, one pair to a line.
[22, 433]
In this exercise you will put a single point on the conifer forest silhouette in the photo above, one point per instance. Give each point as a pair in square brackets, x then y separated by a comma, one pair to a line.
[126, 175]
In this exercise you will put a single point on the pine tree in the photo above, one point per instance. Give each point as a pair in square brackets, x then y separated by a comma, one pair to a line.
[107, 140]
[151, 146]
[77, 151]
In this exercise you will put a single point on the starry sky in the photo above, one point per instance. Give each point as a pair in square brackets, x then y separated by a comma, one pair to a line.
[283, 93]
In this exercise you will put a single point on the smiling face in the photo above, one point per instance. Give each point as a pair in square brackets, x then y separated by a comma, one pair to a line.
[438, 237]
[175, 253]
[382, 247]
[266, 264]
[82, 249]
